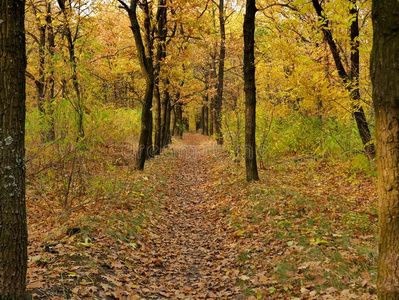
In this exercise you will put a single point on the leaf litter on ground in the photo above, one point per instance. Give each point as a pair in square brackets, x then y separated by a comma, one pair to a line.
[190, 227]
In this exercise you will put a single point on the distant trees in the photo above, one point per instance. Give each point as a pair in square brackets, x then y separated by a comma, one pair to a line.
[385, 80]
[13, 230]
[250, 91]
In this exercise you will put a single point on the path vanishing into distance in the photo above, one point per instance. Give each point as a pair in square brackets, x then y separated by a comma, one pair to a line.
[193, 254]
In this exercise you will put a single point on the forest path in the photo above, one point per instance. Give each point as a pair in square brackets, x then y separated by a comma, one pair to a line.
[192, 255]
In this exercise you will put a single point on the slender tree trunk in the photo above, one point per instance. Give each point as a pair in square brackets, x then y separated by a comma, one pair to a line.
[213, 100]
[161, 54]
[150, 146]
[78, 106]
[359, 115]
[158, 119]
[168, 135]
[145, 56]
[202, 122]
[13, 228]
[206, 119]
[180, 120]
[250, 91]
[50, 134]
[41, 82]
[210, 118]
[165, 127]
[385, 80]
[174, 129]
[222, 56]
[351, 81]
[42, 61]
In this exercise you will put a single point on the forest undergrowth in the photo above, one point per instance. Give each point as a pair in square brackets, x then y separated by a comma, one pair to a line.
[191, 227]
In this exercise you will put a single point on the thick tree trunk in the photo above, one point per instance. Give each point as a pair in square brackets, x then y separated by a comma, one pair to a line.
[222, 56]
[250, 91]
[13, 229]
[385, 80]
[351, 81]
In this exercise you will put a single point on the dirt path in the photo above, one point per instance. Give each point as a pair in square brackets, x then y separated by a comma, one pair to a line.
[192, 254]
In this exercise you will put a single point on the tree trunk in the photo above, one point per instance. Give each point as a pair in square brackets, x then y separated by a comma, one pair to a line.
[179, 120]
[50, 133]
[385, 80]
[222, 56]
[13, 228]
[351, 81]
[42, 60]
[78, 106]
[173, 131]
[206, 119]
[165, 124]
[150, 146]
[158, 113]
[168, 135]
[210, 111]
[250, 91]
[202, 122]
[161, 54]
[145, 57]
[359, 115]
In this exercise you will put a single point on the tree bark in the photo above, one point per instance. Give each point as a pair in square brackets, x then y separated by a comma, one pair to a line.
[351, 81]
[13, 228]
[250, 91]
[385, 80]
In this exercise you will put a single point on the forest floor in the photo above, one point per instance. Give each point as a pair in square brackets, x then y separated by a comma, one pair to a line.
[190, 227]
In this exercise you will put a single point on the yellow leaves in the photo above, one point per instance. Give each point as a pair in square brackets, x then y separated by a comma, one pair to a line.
[85, 282]
[318, 241]
[86, 243]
